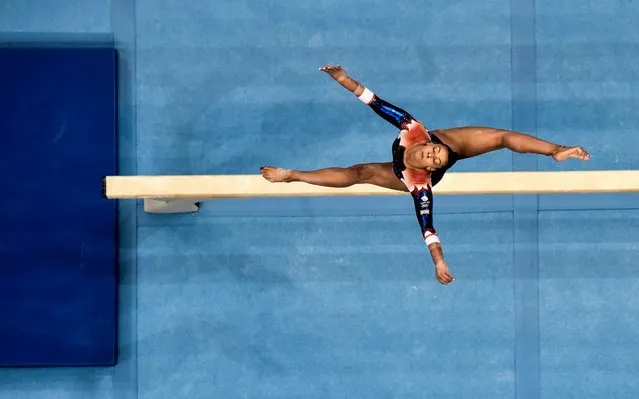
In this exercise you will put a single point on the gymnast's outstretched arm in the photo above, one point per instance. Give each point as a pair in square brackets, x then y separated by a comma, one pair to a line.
[423, 200]
[391, 113]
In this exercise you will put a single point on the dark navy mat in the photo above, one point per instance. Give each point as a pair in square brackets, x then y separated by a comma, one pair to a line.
[58, 245]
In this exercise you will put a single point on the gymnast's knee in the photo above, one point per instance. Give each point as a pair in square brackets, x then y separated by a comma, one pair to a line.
[362, 173]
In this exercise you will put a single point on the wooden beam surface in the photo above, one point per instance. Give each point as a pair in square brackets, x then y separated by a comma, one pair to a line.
[243, 186]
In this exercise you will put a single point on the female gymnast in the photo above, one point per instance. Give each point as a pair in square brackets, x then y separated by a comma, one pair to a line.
[420, 159]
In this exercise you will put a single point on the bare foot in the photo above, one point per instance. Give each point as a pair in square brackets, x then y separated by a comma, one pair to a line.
[571, 152]
[275, 175]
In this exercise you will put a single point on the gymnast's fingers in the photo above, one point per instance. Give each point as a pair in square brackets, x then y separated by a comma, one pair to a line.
[450, 278]
[331, 68]
[441, 277]
[446, 277]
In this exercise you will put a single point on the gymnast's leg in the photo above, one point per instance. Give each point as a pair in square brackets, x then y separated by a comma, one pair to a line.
[379, 174]
[470, 141]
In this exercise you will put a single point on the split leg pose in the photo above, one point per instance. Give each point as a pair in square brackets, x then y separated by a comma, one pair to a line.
[420, 159]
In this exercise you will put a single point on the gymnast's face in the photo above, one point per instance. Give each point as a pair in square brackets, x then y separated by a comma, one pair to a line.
[430, 156]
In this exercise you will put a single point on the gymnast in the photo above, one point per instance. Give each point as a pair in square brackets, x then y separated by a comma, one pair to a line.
[420, 159]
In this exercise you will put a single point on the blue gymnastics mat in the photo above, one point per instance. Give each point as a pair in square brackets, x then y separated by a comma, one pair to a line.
[58, 246]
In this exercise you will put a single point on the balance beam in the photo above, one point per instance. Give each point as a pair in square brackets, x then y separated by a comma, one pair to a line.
[178, 194]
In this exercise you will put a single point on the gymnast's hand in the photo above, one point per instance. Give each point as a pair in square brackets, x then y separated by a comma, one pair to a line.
[442, 273]
[336, 71]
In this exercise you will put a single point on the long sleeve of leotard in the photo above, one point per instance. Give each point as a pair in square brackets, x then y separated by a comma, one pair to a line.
[391, 113]
[423, 200]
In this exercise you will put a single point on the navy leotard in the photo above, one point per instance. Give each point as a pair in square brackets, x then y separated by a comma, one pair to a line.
[417, 182]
